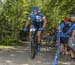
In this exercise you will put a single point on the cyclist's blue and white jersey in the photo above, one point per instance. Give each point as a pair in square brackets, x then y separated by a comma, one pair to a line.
[36, 19]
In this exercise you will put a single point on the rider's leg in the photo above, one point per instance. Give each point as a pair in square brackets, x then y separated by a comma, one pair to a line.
[39, 36]
[39, 39]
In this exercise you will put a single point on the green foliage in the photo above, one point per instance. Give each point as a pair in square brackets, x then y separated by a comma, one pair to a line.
[13, 15]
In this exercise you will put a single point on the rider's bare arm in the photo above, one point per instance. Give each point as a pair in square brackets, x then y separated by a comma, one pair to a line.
[45, 21]
[27, 22]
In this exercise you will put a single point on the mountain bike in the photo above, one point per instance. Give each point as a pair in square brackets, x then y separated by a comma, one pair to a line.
[33, 42]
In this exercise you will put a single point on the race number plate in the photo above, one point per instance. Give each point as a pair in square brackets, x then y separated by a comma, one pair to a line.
[32, 29]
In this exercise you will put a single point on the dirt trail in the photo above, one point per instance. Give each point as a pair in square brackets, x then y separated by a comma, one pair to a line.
[20, 56]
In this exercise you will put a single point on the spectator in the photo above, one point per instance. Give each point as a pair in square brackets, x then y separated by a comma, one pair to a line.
[64, 26]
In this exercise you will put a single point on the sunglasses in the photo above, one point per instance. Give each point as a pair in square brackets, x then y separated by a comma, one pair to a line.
[35, 11]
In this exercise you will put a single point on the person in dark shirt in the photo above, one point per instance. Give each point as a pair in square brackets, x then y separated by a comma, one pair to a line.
[64, 27]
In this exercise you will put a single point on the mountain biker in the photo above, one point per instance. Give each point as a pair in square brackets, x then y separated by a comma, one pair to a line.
[38, 21]
[64, 26]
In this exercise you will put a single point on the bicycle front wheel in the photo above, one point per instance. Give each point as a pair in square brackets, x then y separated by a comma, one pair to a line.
[33, 50]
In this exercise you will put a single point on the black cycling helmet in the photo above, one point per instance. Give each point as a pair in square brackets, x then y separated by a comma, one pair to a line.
[35, 8]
